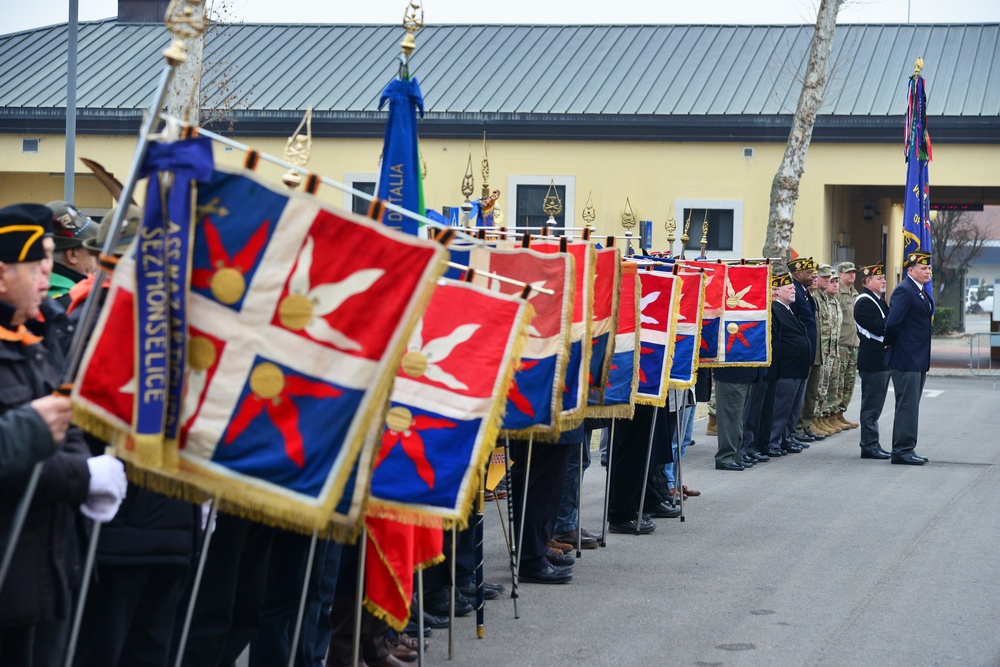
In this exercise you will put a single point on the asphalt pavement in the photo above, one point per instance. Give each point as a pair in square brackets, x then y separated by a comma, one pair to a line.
[818, 558]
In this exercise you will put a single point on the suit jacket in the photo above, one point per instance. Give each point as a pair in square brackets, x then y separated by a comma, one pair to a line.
[908, 328]
[804, 308]
[870, 313]
[790, 345]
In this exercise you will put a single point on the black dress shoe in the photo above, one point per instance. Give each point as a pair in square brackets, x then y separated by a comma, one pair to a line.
[773, 452]
[814, 435]
[490, 591]
[729, 466]
[439, 604]
[626, 527]
[908, 459]
[760, 458]
[546, 575]
[664, 511]
[559, 559]
[798, 443]
[921, 457]
[804, 437]
[747, 461]
[791, 449]
[875, 453]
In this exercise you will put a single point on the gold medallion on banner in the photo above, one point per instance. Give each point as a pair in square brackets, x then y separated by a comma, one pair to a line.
[414, 364]
[228, 285]
[295, 311]
[201, 353]
[732, 328]
[267, 381]
[398, 419]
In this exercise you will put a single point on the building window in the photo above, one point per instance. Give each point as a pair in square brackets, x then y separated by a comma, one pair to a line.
[527, 196]
[363, 182]
[725, 227]
[29, 145]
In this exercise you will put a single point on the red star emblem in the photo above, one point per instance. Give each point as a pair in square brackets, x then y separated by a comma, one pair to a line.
[219, 258]
[738, 335]
[516, 397]
[413, 444]
[643, 350]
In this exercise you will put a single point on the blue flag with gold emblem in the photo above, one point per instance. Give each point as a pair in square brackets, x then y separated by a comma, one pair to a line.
[400, 178]
[917, 205]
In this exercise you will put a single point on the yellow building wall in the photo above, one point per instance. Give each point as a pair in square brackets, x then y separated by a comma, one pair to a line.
[652, 175]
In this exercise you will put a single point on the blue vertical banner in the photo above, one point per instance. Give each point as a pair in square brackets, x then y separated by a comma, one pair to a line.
[917, 203]
[400, 180]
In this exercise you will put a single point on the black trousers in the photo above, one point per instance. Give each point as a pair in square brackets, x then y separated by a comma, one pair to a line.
[229, 604]
[130, 615]
[544, 489]
[628, 459]
[273, 642]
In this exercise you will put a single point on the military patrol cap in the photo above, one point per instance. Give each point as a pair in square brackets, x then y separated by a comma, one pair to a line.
[781, 279]
[824, 271]
[872, 270]
[70, 227]
[22, 228]
[130, 228]
[802, 264]
[917, 257]
[846, 267]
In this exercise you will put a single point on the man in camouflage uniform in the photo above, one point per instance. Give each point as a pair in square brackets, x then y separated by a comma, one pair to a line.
[824, 329]
[830, 337]
[848, 346]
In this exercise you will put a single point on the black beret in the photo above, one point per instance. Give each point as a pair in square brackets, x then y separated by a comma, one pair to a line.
[22, 227]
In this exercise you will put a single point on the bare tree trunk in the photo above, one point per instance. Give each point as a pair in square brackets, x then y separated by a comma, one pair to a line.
[785, 187]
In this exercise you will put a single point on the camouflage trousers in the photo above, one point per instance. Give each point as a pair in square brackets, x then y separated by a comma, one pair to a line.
[829, 385]
[848, 375]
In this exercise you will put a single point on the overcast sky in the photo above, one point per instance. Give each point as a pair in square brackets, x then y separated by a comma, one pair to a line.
[25, 14]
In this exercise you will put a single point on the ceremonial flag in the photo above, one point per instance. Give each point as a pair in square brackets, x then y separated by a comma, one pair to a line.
[607, 287]
[917, 203]
[577, 386]
[397, 549]
[745, 338]
[447, 404]
[400, 179]
[687, 341]
[290, 359]
[659, 307]
[534, 403]
[715, 286]
[617, 397]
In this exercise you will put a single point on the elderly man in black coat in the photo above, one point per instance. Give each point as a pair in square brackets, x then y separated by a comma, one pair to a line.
[908, 339]
[792, 357]
[870, 314]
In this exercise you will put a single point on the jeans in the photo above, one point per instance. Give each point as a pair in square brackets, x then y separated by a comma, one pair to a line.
[687, 417]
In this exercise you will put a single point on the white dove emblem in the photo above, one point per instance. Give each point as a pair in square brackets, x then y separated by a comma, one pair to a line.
[439, 349]
[735, 299]
[306, 307]
[646, 300]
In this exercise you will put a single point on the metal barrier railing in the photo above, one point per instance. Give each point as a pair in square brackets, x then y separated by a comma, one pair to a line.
[981, 349]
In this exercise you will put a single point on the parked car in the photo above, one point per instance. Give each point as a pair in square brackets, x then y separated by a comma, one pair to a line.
[976, 302]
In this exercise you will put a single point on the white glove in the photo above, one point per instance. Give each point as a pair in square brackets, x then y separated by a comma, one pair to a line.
[100, 508]
[107, 477]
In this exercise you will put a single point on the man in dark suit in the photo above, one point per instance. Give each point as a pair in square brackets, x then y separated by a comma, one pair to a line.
[908, 356]
[870, 313]
[804, 278]
[792, 356]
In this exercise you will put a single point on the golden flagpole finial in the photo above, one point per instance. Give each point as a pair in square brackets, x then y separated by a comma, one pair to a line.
[628, 217]
[704, 235]
[413, 22]
[589, 212]
[468, 187]
[552, 205]
[486, 168]
[185, 19]
[671, 226]
[298, 149]
[684, 235]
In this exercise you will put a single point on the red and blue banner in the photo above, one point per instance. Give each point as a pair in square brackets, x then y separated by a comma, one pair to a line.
[745, 332]
[577, 384]
[447, 404]
[659, 307]
[917, 202]
[687, 340]
[534, 404]
[607, 287]
[715, 287]
[298, 317]
[617, 397]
